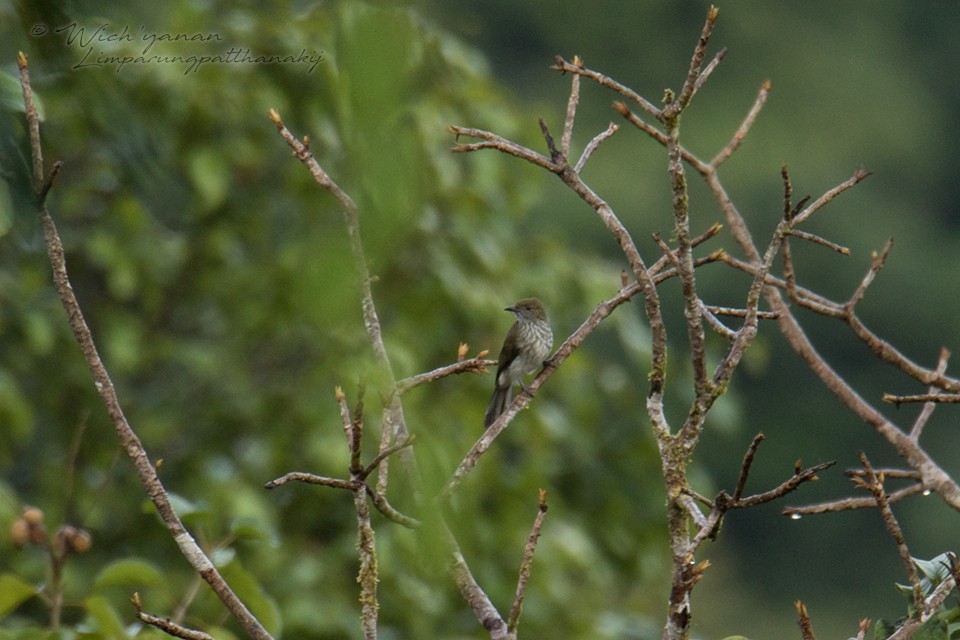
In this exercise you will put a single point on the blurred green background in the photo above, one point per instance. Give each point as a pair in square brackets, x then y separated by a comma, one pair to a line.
[216, 277]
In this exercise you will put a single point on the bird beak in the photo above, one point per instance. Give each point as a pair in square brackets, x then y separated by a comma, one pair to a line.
[510, 309]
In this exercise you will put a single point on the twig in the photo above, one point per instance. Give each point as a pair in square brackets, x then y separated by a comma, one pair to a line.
[514, 618]
[572, 103]
[739, 313]
[605, 81]
[165, 624]
[929, 398]
[694, 76]
[478, 601]
[848, 504]
[928, 407]
[593, 144]
[874, 483]
[823, 242]
[493, 141]
[478, 364]
[711, 318]
[858, 176]
[708, 70]
[806, 626]
[879, 259]
[741, 133]
[310, 478]
[104, 385]
[366, 540]
[746, 464]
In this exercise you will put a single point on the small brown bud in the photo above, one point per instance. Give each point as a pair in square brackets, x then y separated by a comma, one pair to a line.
[32, 515]
[63, 539]
[20, 532]
[82, 541]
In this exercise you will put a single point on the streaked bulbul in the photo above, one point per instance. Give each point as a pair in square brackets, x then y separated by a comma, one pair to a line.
[527, 345]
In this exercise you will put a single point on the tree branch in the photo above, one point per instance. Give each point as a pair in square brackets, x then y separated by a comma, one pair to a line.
[108, 394]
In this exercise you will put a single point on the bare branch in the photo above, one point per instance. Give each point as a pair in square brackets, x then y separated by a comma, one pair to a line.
[310, 478]
[745, 466]
[929, 398]
[478, 364]
[848, 504]
[166, 625]
[514, 618]
[709, 69]
[806, 626]
[493, 141]
[741, 133]
[593, 144]
[823, 242]
[104, 384]
[858, 176]
[928, 407]
[879, 259]
[572, 103]
[478, 601]
[605, 81]
[694, 75]
[874, 483]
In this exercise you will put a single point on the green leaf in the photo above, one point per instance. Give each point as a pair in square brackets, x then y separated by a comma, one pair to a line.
[107, 620]
[11, 95]
[130, 572]
[247, 587]
[13, 592]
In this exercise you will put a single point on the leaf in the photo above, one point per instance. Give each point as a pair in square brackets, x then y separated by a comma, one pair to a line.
[13, 592]
[107, 620]
[250, 591]
[129, 572]
[11, 95]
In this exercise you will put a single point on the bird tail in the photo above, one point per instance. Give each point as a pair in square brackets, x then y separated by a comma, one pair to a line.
[498, 404]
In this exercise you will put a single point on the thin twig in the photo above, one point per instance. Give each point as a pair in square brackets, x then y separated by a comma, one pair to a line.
[166, 625]
[929, 407]
[741, 133]
[478, 601]
[605, 81]
[879, 259]
[693, 80]
[746, 464]
[803, 619]
[514, 618]
[593, 144]
[366, 539]
[849, 504]
[478, 364]
[874, 483]
[929, 398]
[823, 242]
[858, 176]
[572, 103]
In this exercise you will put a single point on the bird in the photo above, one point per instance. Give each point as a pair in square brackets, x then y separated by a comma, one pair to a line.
[527, 345]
